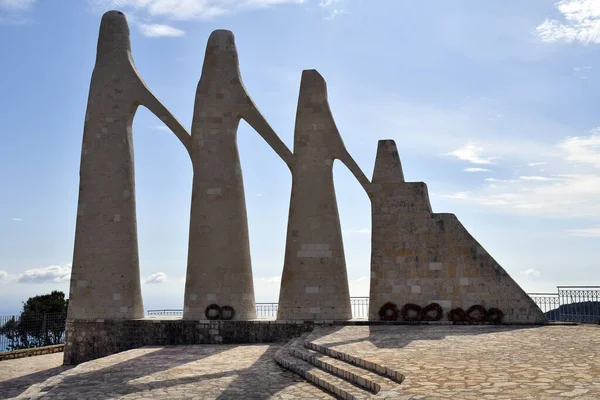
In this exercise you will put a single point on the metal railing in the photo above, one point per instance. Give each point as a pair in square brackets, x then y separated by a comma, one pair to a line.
[579, 303]
[31, 330]
[548, 303]
[569, 303]
[359, 305]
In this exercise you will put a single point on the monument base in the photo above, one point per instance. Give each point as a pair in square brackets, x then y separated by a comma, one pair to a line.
[88, 339]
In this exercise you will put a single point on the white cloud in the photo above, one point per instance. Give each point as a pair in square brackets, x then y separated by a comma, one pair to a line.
[50, 274]
[457, 195]
[500, 180]
[535, 164]
[536, 178]
[531, 273]
[585, 232]
[476, 170]
[571, 189]
[192, 9]
[158, 277]
[333, 7]
[259, 195]
[580, 22]
[472, 154]
[3, 276]
[158, 30]
[582, 68]
[17, 219]
[583, 150]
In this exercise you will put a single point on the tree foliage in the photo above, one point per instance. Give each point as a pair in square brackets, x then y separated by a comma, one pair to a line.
[41, 323]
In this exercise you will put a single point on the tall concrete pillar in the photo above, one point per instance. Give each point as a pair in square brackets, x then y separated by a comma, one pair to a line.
[105, 279]
[314, 285]
[422, 257]
[219, 267]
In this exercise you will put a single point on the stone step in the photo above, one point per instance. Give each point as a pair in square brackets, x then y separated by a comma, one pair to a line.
[334, 385]
[371, 366]
[358, 376]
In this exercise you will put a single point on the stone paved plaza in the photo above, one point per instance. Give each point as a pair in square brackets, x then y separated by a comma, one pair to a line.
[451, 362]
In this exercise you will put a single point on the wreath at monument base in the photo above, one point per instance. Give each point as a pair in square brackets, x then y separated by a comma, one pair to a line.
[388, 312]
[435, 307]
[213, 312]
[456, 315]
[406, 311]
[494, 315]
[475, 313]
[227, 312]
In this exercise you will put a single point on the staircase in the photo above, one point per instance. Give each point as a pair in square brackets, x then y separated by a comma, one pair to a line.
[342, 375]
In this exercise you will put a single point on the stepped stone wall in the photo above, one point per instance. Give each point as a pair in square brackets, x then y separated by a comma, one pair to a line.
[422, 257]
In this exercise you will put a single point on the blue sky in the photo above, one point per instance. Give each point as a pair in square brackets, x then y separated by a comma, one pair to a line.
[492, 104]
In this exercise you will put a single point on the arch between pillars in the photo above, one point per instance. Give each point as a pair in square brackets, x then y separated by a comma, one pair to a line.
[354, 208]
[267, 186]
[162, 210]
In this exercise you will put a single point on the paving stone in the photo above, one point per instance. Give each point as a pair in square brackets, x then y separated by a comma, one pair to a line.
[439, 362]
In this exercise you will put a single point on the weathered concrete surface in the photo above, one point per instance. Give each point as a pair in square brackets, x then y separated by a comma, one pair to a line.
[105, 279]
[420, 257]
[314, 284]
[219, 268]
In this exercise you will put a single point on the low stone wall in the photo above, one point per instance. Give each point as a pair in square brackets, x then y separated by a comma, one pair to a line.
[35, 351]
[91, 339]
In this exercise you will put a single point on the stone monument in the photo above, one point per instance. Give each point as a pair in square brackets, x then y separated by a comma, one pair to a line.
[418, 257]
[421, 258]
[105, 278]
[314, 284]
[219, 269]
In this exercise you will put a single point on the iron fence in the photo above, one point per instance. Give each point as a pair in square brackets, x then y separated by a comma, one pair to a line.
[265, 310]
[360, 309]
[31, 330]
[579, 303]
[569, 304]
[548, 303]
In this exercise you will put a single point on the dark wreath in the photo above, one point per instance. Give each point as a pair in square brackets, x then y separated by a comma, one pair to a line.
[456, 315]
[407, 308]
[388, 312]
[227, 312]
[439, 312]
[213, 312]
[474, 310]
[494, 315]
